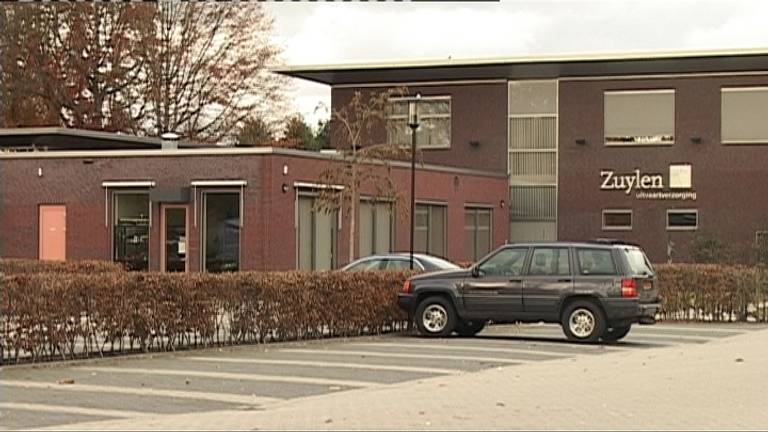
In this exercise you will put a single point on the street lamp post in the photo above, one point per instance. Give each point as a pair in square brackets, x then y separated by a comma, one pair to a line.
[413, 123]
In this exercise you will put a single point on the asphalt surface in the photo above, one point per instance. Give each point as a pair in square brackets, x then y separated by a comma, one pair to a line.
[257, 377]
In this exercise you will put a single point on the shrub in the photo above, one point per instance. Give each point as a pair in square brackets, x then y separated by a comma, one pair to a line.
[709, 292]
[11, 266]
[61, 315]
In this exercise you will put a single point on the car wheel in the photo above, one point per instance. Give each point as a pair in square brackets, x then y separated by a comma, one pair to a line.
[435, 317]
[615, 333]
[583, 321]
[469, 328]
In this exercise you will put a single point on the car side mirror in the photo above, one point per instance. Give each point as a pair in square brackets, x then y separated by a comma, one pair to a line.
[476, 272]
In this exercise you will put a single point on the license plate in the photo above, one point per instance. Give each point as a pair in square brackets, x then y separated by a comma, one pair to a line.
[647, 285]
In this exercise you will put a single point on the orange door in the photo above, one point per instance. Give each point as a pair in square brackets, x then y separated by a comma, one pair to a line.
[53, 232]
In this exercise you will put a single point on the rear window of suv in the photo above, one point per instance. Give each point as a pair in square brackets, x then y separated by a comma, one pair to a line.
[596, 262]
[638, 262]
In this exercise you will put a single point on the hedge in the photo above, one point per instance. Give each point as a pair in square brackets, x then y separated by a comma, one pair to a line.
[711, 292]
[64, 316]
[11, 266]
[71, 310]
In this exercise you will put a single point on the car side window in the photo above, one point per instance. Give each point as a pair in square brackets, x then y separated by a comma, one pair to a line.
[398, 264]
[506, 262]
[550, 262]
[373, 264]
[596, 262]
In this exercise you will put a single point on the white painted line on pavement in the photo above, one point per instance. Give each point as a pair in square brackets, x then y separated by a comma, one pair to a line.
[702, 329]
[466, 348]
[71, 410]
[146, 391]
[404, 355]
[324, 364]
[235, 376]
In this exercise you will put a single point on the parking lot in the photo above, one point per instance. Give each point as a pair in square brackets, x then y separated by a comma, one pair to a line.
[260, 377]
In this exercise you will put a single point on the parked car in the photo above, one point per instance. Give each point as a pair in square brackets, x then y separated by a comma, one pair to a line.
[594, 290]
[400, 261]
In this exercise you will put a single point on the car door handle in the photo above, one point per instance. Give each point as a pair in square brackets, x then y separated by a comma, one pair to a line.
[516, 280]
[565, 280]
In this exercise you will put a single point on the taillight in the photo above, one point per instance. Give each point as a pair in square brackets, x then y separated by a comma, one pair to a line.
[407, 287]
[628, 288]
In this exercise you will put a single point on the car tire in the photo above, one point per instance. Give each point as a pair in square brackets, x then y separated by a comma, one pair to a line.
[583, 321]
[613, 334]
[469, 328]
[435, 317]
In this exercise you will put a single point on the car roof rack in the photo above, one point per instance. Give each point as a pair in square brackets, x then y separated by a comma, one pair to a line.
[612, 241]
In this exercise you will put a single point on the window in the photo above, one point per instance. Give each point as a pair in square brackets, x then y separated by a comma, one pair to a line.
[317, 233]
[131, 229]
[638, 262]
[550, 262]
[639, 117]
[617, 220]
[477, 232]
[682, 219]
[221, 231]
[375, 224]
[429, 236]
[434, 122]
[743, 113]
[399, 264]
[506, 262]
[532, 159]
[596, 262]
[367, 265]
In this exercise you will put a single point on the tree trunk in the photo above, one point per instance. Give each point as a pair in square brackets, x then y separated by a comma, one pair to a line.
[353, 213]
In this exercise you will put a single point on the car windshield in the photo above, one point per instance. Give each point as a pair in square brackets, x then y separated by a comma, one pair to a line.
[638, 262]
[434, 263]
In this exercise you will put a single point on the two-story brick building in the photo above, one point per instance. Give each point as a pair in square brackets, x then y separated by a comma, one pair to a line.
[652, 148]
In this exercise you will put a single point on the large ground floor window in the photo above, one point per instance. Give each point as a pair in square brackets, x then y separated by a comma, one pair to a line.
[221, 231]
[375, 228]
[316, 240]
[131, 229]
[477, 232]
[430, 229]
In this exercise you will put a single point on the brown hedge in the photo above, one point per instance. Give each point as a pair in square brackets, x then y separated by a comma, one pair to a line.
[711, 292]
[11, 266]
[63, 316]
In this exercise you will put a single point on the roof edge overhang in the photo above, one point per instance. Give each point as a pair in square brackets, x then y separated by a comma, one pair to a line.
[539, 66]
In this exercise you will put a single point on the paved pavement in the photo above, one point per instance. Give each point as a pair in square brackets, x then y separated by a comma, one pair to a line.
[507, 377]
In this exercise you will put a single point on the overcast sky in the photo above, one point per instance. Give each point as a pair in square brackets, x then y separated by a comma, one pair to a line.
[351, 32]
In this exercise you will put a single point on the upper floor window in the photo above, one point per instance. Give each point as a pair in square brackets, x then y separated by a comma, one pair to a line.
[743, 115]
[645, 117]
[434, 122]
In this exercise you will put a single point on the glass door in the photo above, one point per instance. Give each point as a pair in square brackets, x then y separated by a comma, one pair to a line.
[174, 239]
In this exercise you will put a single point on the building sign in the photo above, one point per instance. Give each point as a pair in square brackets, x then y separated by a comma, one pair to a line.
[651, 186]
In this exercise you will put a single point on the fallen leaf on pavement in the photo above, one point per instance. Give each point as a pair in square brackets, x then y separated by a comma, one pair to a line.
[66, 381]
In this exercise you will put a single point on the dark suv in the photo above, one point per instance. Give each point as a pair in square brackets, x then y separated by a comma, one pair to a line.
[595, 290]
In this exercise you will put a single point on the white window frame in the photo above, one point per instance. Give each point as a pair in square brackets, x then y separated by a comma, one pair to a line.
[202, 230]
[739, 90]
[429, 224]
[113, 204]
[422, 117]
[375, 202]
[618, 227]
[476, 207]
[682, 211]
[643, 92]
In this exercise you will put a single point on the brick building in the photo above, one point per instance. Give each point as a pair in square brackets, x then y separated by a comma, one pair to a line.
[220, 208]
[658, 149]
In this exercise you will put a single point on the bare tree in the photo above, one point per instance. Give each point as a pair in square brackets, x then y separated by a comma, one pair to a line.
[362, 163]
[72, 64]
[207, 69]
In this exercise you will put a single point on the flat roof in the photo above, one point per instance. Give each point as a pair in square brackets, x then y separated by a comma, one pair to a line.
[531, 67]
[59, 138]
